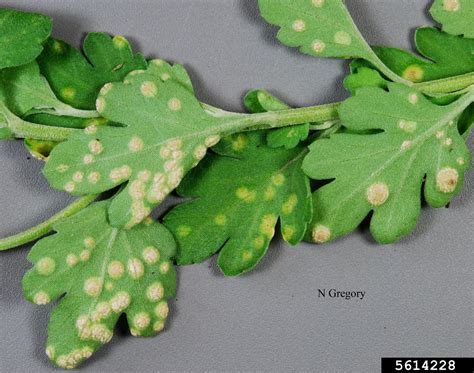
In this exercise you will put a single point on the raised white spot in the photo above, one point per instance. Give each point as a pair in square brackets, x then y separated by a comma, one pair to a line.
[142, 320]
[151, 255]
[162, 310]
[148, 89]
[407, 126]
[299, 25]
[100, 104]
[101, 333]
[164, 267]
[135, 268]
[69, 187]
[105, 89]
[144, 175]
[200, 152]
[93, 286]
[137, 190]
[212, 140]
[413, 98]
[155, 291]
[46, 266]
[85, 255]
[318, 46]
[175, 144]
[88, 159]
[115, 269]
[177, 154]
[71, 260]
[41, 298]
[377, 194]
[120, 173]
[174, 104]
[120, 301]
[447, 180]
[135, 144]
[165, 77]
[439, 134]
[78, 176]
[460, 161]
[158, 326]
[321, 233]
[103, 310]
[451, 5]
[165, 152]
[89, 242]
[95, 147]
[175, 177]
[90, 130]
[405, 144]
[318, 3]
[93, 177]
[170, 165]
[448, 141]
[342, 37]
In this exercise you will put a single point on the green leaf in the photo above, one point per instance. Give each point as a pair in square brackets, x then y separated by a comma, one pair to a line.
[456, 16]
[21, 36]
[383, 172]
[40, 149]
[447, 56]
[361, 77]
[259, 101]
[239, 196]
[167, 133]
[99, 272]
[321, 28]
[23, 89]
[75, 78]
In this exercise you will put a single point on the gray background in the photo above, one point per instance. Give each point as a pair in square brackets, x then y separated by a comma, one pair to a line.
[419, 292]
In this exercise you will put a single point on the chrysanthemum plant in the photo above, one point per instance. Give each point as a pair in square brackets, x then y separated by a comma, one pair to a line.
[105, 119]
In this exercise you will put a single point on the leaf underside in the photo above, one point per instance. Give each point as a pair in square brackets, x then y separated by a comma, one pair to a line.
[102, 272]
[384, 172]
[322, 28]
[166, 133]
[240, 193]
[21, 36]
[456, 16]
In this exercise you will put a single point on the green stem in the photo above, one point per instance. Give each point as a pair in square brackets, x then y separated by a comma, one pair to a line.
[45, 227]
[282, 118]
[447, 85]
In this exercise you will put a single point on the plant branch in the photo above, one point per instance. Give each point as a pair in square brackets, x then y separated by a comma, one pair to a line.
[45, 227]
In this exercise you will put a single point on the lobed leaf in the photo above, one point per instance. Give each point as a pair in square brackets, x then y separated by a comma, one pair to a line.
[100, 272]
[77, 78]
[318, 27]
[383, 171]
[447, 56]
[456, 16]
[23, 89]
[240, 193]
[166, 133]
[21, 36]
